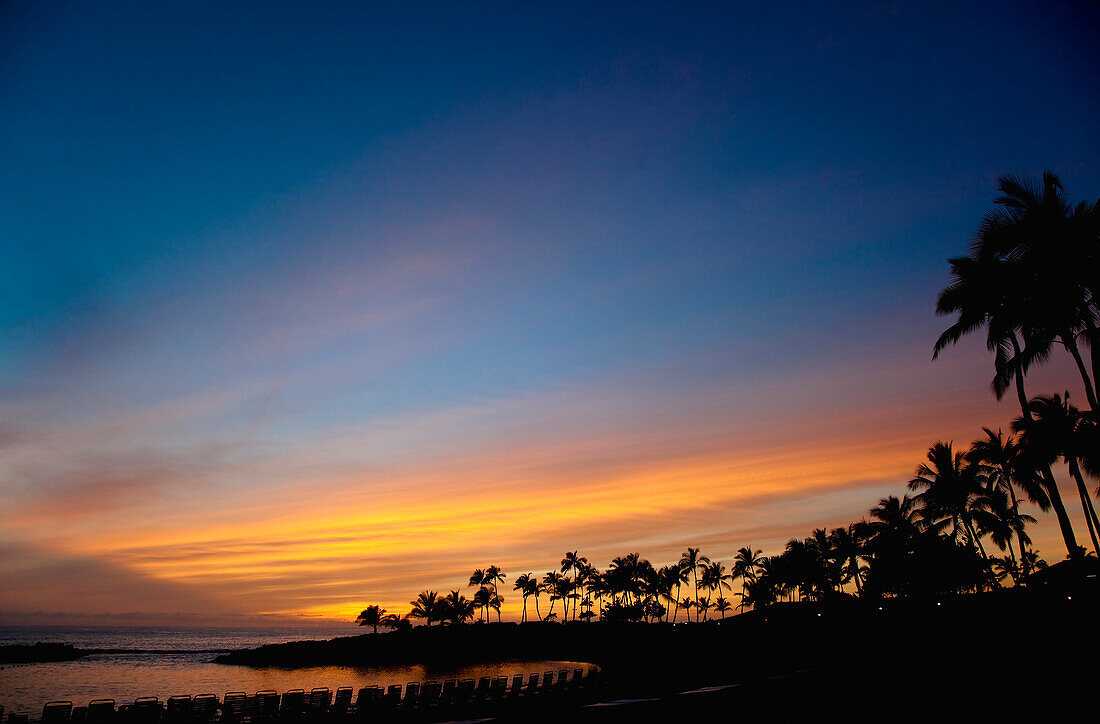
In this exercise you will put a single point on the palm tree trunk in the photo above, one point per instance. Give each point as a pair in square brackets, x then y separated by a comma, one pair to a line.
[537, 607]
[1086, 504]
[1090, 393]
[1050, 483]
[695, 577]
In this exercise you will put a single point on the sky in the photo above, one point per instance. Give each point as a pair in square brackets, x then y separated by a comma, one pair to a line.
[305, 307]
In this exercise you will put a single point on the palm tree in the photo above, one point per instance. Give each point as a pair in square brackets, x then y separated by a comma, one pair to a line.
[692, 560]
[575, 563]
[848, 546]
[1055, 430]
[895, 518]
[426, 606]
[1004, 466]
[985, 290]
[745, 564]
[523, 584]
[457, 608]
[1054, 245]
[715, 578]
[493, 576]
[483, 599]
[678, 573]
[371, 616]
[995, 515]
[551, 583]
[721, 605]
[948, 482]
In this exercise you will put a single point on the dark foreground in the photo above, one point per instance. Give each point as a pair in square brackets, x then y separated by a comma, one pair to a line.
[1013, 653]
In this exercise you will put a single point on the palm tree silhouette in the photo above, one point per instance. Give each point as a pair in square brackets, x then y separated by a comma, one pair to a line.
[985, 291]
[1003, 466]
[457, 608]
[483, 599]
[371, 616]
[722, 605]
[426, 606]
[745, 564]
[848, 545]
[691, 559]
[715, 578]
[526, 585]
[552, 584]
[1055, 430]
[949, 482]
[575, 563]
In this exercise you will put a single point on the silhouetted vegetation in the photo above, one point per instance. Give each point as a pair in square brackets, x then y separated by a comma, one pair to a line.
[1030, 280]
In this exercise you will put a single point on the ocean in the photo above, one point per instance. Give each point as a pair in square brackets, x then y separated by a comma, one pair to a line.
[163, 662]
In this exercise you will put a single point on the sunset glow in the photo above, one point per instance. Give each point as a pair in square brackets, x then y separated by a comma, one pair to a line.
[284, 339]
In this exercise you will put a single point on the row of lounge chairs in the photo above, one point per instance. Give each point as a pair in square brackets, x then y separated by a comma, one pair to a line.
[415, 701]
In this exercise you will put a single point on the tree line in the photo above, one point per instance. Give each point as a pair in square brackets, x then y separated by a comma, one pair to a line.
[1030, 280]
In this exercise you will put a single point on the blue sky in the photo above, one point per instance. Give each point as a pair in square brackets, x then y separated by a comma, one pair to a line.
[232, 233]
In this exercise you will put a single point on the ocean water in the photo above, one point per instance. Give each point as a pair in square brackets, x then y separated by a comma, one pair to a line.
[162, 662]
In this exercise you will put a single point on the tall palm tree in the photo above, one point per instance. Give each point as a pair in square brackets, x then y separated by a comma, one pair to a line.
[692, 560]
[426, 606]
[948, 482]
[492, 576]
[722, 605]
[1055, 430]
[679, 574]
[995, 514]
[715, 578]
[523, 584]
[746, 562]
[575, 563]
[848, 545]
[551, 583]
[1054, 245]
[371, 616]
[458, 608]
[483, 599]
[1004, 466]
[985, 290]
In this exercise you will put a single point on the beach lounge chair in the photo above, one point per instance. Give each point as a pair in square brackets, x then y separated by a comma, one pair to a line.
[575, 681]
[447, 694]
[101, 711]
[498, 687]
[146, 710]
[429, 695]
[412, 695]
[532, 685]
[563, 679]
[204, 707]
[178, 709]
[464, 691]
[341, 702]
[293, 704]
[265, 706]
[57, 711]
[320, 699]
[366, 703]
[79, 715]
[391, 699]
[481, 693]
[233, 706]
[517, 686]
[547, 683]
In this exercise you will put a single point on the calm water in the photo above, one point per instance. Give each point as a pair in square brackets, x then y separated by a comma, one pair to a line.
[166, 661]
